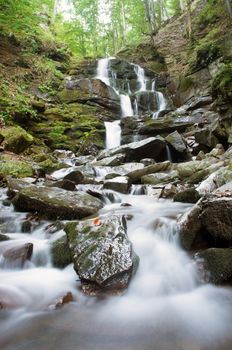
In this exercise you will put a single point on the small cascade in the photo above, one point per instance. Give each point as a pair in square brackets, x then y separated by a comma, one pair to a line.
[102, 70]
[161, 101]
[137, 190]
[136, 108]
[168, 152]
[113, 134]
[140, 77]
[126, 106]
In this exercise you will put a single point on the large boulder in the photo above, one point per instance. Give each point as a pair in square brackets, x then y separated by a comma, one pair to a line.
[89, 91]
[51, 202]
[152, 147]
[135, 175]
[189, 226]
[159, 178]
[16, 139]
[217, 264]
[216, 217]
[102, 253]
[177, 142]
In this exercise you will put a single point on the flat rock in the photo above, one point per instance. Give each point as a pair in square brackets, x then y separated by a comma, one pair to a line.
[118, 184]
[53, 203]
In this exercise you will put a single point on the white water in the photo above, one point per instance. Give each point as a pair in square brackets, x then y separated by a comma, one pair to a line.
[162, 103]
[113, 134]
[140, 77]
[164, 296]
[102, 70]
[126, 106]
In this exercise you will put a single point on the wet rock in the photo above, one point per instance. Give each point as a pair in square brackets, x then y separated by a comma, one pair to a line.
[65, 184]
[68, 298]
[16, 139]
[218, 178]
[89, 91]
[161, 177]
[102, 254]
[189, 226]
[206, 137]
[190, 195]
[217, 263]
[177, 142]
[168, 191]
[53, 203]
[147, 161]
[3, 237]
[111, 161]
[152, 147]
[154, 191]
[216, 217]
[17, 256]
[75, 176]
[61, 255]
[118, 184]
[26, 226]
[136, 175]
[200, 102]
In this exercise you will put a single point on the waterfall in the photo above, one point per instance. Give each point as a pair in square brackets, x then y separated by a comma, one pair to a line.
[113, 134]
[102, 70]
[126, 107]
[161, 101]
[140, 77]
[169, 156]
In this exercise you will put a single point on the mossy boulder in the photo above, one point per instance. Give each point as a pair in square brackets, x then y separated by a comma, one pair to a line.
[52, 202]
[16, 139]
[190, 195]
[61, 256]
[15, 168]
[102, 253]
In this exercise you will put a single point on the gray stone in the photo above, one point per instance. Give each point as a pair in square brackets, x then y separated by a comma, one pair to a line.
[118, 184]
[177, 142]
[51, 202]
[159, 178]
[102, 254]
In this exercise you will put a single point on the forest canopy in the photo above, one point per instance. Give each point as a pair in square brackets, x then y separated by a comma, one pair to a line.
[88, 27]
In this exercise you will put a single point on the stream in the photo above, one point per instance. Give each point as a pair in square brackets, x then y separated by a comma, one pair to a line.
[166, 305]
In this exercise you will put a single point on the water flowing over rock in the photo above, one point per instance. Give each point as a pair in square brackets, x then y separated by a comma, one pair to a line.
[102, 254]
[52, 202]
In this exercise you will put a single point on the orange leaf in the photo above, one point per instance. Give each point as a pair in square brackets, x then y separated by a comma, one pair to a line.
[97, 222]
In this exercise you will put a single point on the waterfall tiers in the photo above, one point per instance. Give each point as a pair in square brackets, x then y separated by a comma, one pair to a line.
[137, 93]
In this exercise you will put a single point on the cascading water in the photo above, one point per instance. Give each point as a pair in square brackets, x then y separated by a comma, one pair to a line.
[161, 101]
[113, 134]
[165, 307]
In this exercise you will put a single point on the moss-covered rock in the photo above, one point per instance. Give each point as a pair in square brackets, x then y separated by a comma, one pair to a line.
[190, 195]
[16, 139]
[222, 84]
[61, 256]
[15, 168]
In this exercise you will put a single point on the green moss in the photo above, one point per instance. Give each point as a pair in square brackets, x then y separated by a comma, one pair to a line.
[16, 139]
[185, 84]
[61, 256]
[204, 54]
[222, 84]
[15, 168]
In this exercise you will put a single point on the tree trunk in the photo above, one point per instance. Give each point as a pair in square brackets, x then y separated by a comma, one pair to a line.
[229, 7]
[189, 19]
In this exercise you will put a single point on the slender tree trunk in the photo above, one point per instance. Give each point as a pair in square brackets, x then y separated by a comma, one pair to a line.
[229, 7]
[189, 19]
[55, 6]
[123, 24]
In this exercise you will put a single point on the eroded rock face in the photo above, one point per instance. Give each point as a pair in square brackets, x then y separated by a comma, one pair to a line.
[102, 253]
[53, 203]
[90, 90]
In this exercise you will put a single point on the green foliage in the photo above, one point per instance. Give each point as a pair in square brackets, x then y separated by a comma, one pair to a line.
[222, 83]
